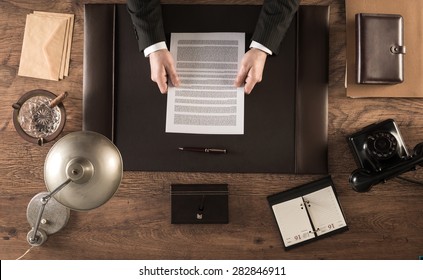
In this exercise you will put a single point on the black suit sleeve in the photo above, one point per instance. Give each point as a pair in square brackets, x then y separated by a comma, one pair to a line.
[147, 19]
[274, 20]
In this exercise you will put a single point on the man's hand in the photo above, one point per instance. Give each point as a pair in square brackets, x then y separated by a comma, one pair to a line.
[251, 70]
[162, 67]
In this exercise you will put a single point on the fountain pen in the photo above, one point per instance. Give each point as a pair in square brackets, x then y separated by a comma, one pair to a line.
[204, 150]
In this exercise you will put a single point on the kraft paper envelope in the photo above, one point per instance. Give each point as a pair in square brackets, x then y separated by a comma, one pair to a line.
[65, 42]
[68, 38]
[43, 47]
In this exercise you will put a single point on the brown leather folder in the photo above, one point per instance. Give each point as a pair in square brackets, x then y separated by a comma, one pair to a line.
[380, 48]
[412, 86]
[285, 116]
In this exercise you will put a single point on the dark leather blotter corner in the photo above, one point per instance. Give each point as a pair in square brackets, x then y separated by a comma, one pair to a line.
[285, 116]
[199, 204]
[379, 48]
[98, 85]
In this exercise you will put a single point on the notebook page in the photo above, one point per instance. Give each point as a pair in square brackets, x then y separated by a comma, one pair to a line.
[293, 221]
[324, 211]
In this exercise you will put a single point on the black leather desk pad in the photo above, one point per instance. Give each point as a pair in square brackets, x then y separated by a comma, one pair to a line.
[285, 116]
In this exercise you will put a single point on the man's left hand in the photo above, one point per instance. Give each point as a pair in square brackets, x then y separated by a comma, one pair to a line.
[251, 70]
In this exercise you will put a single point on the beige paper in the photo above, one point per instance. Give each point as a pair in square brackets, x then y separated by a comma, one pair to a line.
[68, 38]
[65, 43]
[42, 47]
[411, 11]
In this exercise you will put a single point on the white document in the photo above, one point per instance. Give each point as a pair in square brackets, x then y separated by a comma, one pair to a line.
[206, 102]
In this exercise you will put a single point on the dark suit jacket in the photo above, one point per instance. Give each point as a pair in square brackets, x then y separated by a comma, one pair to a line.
[274, 20]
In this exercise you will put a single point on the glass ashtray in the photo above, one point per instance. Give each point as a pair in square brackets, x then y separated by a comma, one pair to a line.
[39, 116]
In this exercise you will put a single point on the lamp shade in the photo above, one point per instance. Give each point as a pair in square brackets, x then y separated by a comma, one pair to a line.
[92, 163]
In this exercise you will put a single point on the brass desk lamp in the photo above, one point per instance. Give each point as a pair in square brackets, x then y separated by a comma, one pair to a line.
[82, 171]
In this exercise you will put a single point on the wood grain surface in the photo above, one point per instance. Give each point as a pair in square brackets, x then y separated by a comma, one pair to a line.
[385, 223]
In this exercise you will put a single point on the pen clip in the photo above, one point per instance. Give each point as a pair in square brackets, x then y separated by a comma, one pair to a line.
[212, 150]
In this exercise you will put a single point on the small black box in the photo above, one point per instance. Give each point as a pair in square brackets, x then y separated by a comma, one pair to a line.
[199, 204]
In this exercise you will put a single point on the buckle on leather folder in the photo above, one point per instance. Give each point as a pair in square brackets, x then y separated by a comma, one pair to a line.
[398, 49]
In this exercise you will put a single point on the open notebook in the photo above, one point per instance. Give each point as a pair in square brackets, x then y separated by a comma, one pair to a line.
[308, 212]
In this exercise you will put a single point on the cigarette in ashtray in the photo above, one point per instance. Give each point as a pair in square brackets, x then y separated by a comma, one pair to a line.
[58, 99]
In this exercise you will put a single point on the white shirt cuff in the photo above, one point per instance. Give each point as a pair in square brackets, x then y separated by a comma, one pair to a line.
[155, 47]
[259, 46]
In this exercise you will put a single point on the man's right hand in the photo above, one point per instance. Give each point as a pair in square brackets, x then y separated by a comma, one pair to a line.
[162, 68]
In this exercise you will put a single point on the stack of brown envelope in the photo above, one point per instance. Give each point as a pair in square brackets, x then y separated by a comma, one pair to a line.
[46, 45]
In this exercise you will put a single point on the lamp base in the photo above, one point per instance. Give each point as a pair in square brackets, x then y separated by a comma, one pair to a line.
[54, 218]
[40, 237]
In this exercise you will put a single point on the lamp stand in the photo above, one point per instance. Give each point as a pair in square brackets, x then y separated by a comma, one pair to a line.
[55, 216]
[47, 219]
[90, 166]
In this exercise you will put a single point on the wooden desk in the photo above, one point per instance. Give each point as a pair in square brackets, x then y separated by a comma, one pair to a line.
[386, 223]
